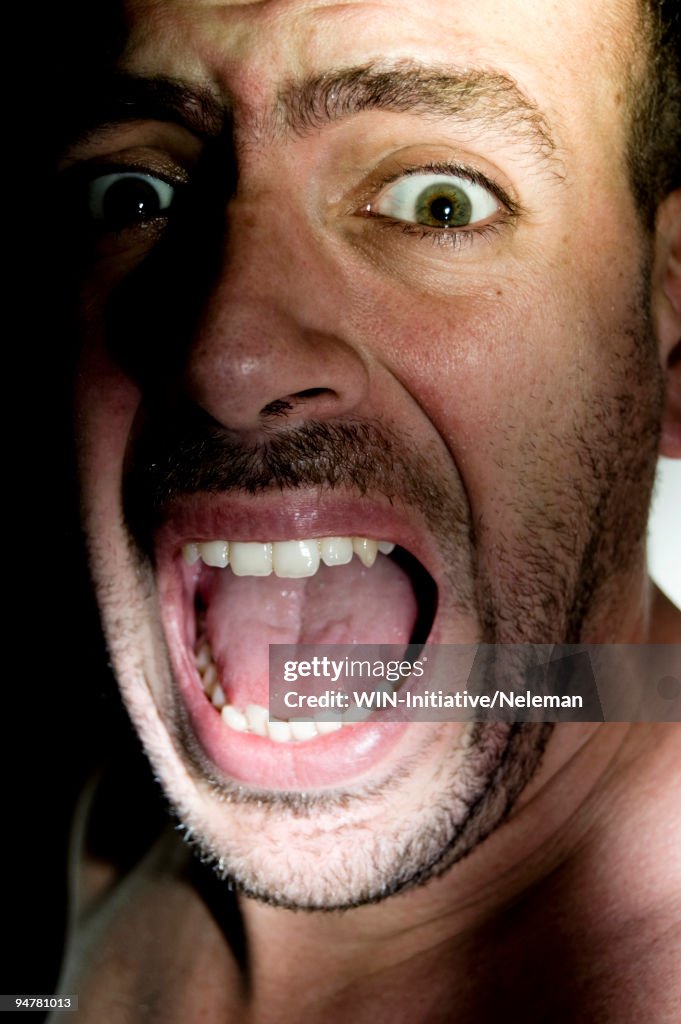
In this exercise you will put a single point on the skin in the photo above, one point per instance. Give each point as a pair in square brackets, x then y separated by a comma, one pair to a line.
[525, 363]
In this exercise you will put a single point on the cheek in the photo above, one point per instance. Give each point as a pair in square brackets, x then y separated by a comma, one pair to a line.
[106, 401]
[506, 372]
[466, 360]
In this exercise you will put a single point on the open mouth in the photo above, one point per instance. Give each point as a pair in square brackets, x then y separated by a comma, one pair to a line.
[329, 590]
[225, 600]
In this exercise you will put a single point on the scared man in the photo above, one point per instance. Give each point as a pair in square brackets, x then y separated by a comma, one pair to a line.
[380, 315]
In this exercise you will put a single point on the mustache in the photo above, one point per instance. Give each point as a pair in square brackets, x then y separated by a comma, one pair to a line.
[186, 454]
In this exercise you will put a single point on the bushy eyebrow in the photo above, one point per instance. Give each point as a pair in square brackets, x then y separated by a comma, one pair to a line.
[475, 99]
[488, 99]
[120, 98]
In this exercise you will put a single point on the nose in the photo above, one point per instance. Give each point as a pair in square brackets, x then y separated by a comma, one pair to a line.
[268, 349]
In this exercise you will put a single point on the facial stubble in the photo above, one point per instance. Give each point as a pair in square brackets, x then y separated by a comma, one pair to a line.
[552, 598]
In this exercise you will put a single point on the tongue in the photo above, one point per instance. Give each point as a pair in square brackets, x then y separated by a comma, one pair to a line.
[346, 604]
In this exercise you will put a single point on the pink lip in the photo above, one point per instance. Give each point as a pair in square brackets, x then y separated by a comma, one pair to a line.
[254, 760]
[289, 517]
[322, 762]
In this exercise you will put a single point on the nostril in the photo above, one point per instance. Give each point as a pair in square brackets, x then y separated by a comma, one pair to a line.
[312, 393]
[280, 406]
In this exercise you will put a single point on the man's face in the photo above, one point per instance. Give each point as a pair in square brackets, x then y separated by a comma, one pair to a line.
[401, 296]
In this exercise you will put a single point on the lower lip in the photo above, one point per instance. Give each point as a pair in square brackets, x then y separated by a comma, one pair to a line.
[322, 762]
[325, 761]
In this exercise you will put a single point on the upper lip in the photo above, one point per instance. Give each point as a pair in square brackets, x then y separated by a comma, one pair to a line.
[297, 515]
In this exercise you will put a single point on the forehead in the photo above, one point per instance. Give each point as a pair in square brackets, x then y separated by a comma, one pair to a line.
[566, 56]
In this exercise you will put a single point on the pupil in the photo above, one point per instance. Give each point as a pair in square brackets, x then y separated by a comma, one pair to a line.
[130, 199]
[444, 205]
[442, 209]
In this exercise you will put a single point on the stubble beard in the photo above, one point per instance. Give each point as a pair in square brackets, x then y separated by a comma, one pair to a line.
[544, 586]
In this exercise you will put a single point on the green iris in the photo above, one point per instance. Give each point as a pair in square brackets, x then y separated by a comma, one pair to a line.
[443, 205]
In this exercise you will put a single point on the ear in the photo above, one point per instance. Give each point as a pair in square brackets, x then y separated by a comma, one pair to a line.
[667, 313]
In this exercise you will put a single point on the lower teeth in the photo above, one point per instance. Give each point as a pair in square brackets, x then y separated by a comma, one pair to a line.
[254, 718]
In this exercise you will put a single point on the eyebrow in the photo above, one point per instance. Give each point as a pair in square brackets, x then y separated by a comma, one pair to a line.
[120, 98]
[489, 99]
[475, 98]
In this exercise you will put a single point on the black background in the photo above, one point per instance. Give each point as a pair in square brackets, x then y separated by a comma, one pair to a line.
[62, 719]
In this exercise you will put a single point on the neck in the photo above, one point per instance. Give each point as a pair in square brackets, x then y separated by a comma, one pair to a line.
[574, 822]
[570, 890]
[575, 803]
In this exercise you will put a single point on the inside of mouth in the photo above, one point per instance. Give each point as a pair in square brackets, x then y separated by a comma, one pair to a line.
[237, 617]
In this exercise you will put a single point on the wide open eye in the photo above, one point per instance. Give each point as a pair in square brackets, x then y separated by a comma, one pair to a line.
[436, 200]
[127, 198]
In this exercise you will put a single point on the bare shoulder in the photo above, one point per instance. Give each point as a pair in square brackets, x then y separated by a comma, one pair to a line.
[147, 949]
[136, 915]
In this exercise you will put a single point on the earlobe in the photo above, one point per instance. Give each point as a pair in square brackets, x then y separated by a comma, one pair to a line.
[667, 312]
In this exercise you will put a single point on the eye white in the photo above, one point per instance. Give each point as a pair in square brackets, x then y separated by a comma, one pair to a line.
[101, 188]
[400, 200]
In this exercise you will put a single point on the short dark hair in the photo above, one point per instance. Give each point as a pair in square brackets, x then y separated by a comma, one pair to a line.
[654, 144]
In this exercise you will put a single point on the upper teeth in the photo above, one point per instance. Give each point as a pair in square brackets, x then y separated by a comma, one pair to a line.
[286, 558]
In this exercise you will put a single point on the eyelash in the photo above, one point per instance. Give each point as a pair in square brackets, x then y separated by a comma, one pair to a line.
[456, 238]
[452, 237]
[78, 180]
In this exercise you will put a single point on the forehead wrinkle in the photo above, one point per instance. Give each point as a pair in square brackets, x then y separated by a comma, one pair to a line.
[488, 98]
